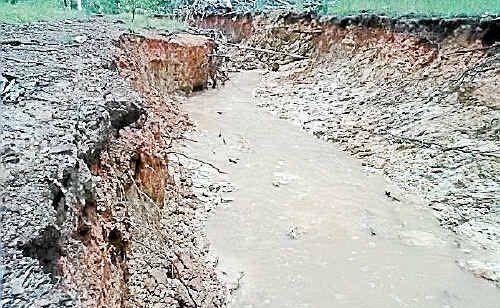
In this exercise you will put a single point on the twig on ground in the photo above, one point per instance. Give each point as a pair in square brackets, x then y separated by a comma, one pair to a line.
[35, 63]
[463, 149]
[142, 193]
[473, 50]
[16, 42]
[198, 160]
[188, 290]
[238, 283]
[37, 49]
[268, 51]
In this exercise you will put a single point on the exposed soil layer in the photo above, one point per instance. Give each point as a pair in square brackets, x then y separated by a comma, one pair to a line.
[415, 99]
[239, 27]
[93, 213]
[168, 64]
[98, 206]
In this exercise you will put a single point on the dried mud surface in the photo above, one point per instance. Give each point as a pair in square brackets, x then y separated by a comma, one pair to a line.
[93, 211]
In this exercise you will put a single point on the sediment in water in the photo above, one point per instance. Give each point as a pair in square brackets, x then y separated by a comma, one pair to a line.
[416, 99]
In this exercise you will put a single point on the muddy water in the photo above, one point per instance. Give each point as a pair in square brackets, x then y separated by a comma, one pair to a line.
[309, 227]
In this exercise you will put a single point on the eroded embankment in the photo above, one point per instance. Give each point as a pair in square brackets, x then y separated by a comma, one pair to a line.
[416, 99]
[93, 212]
[305, 226]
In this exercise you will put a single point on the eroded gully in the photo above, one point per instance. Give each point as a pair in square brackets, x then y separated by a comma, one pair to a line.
[309, 227]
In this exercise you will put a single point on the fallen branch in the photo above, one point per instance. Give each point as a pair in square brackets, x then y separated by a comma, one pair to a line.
[36, 63]
[429, 144]
[142, 193]
[11, 42]
[23, 61]
[183, 138]
[308, 31]
[313, 120]
[17, 42]
[37, 49]
[473, 50]
[238, 283]
[38, 98]
[220, 56]
[179, 276]
[198, 160]
[274, 52]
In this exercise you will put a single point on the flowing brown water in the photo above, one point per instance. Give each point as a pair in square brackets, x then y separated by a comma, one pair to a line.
[309, 227]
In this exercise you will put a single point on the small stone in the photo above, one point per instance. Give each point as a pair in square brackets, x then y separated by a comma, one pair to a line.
[17, 286]
[80, 39]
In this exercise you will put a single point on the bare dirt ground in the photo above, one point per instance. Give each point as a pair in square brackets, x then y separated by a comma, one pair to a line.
[54, 117]
[92, 213]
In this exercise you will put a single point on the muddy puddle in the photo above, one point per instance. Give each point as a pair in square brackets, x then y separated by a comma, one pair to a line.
[308, 226]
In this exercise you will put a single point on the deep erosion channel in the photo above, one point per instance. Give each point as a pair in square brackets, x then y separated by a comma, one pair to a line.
[384, 195]
[309, 228]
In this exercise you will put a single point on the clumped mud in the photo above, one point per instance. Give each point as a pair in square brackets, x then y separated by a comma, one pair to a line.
[93, 212]
[415, 99]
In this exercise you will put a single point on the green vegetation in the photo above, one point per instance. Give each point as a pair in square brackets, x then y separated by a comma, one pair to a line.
[129, 6]
[142, 11]
[136, 14]
[31, 11]
[442, 8]
[445, 8]
[141, 21]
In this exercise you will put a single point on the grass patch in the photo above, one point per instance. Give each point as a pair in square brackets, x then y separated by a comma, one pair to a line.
[32, 11]
[145, 22]
[443, 8]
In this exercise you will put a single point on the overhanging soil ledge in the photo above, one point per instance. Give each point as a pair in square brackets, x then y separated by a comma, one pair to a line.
[94, 212]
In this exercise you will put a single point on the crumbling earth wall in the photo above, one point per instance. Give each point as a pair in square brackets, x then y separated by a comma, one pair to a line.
[417, 99]
[92, 211]
[169, 64]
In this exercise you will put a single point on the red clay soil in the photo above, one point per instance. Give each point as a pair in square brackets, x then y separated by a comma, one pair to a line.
[179, 62]
[145, 265]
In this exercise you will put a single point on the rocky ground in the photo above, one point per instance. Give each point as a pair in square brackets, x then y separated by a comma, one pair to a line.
[93, 212]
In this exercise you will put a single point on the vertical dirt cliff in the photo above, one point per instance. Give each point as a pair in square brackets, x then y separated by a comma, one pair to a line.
[93, 212]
